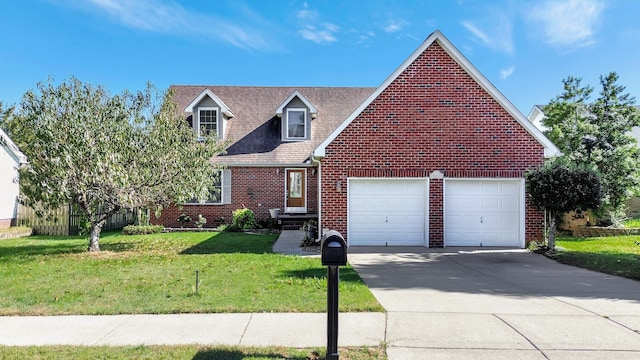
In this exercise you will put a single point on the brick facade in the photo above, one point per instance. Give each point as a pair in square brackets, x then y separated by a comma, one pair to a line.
[433, 116]
[257, 188]
[6, 223]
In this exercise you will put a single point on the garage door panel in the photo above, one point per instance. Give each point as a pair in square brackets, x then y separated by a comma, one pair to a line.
[387, 212]
[483, 212]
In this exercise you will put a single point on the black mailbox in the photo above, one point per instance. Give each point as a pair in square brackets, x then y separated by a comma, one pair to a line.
[334, 249]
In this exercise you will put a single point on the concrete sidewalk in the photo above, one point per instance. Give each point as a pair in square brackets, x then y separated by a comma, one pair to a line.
[259, 329]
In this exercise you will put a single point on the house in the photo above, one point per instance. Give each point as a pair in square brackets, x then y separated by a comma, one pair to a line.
[435, 156]
[10, 160]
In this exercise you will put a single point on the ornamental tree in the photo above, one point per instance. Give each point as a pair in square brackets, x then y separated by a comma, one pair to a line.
[597, 134]
[559, 186]
[108, 153]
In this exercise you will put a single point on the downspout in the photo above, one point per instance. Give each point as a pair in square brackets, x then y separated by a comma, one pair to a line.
[318, 173]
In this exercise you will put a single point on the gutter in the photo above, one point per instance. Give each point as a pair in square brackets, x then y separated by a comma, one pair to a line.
[319, 173]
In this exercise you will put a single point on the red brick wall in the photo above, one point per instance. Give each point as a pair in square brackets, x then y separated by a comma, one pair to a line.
[257, 188]
[434, 116]
[6, 223]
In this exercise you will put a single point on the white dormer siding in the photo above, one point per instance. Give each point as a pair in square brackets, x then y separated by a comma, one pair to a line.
[209, 114]
[296, 114]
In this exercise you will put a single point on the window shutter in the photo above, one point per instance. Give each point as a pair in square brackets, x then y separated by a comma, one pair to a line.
[226, 186]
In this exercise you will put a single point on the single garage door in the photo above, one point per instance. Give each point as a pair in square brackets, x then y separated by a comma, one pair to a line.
[387, 212]
[483, 212]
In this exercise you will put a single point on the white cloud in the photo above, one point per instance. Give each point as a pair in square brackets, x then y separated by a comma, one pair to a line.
[568, 24]
[320, 36]
[498, 37]
[324, 34]
[505, 73]
[169, 17]
[393, 26]
[477, 33]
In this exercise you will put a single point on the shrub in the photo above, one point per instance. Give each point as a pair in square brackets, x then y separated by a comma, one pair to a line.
[183, 219]
[142, 229]
[244, 219]
[201, 221]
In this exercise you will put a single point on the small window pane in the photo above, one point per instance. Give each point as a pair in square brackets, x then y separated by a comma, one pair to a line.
[296, 124]
[208, 122]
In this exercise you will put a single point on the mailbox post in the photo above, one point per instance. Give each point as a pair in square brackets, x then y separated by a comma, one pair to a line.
[334, 254]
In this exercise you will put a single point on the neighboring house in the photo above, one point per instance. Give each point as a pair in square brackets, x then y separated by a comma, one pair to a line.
[10, 160]
[435, 156]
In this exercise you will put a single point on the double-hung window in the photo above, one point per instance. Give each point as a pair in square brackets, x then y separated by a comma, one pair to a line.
[220, 192]
[208, 124]
[296, 123]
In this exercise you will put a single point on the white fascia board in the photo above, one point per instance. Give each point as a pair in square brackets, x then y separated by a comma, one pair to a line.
[307, 103]
[206, 92]
[550, 149]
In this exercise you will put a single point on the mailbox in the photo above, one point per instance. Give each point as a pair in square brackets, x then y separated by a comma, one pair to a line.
[334, 249]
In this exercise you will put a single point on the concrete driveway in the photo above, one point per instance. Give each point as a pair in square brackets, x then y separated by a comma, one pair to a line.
[458, 303]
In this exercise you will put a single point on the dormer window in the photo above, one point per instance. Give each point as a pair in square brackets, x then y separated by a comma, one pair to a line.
[296, 123]
[296, 113]
[207, 122]
[210, 114]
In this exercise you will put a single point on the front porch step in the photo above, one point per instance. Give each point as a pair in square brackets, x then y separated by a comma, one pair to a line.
[295, 221]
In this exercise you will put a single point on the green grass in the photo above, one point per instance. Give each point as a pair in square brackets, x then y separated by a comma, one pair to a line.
[615, 255]
[182, 352]
[632, 223]
[155, 274]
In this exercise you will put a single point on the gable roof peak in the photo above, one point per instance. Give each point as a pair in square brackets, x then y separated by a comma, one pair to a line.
[206, 92]
[308, 104]
[550, 149]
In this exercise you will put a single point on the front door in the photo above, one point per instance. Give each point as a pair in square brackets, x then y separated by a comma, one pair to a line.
[296, 197]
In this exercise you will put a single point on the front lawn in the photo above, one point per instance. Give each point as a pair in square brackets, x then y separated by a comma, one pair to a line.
[615, 255]
[183, 352]
[156, 274]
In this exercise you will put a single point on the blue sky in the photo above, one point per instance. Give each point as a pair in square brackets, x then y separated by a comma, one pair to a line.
[525, 48]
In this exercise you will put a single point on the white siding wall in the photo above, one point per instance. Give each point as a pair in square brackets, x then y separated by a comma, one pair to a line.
[9, 188]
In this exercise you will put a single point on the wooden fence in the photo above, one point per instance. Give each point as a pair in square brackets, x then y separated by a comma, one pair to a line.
[65, 220]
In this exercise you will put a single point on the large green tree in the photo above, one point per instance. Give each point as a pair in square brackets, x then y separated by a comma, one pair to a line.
[559, 186]
[597, 133]
[108, 153]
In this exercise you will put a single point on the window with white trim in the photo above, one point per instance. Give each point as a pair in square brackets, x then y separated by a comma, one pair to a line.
[221, 190]
[296, 124]
[208, 124]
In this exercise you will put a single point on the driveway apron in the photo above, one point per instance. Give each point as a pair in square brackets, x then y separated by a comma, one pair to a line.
[463, 303]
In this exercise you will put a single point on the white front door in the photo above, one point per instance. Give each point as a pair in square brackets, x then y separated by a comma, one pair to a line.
[483, 212]
[387, 212]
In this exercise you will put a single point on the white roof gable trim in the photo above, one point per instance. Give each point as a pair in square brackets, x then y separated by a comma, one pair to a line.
[12, 148]
[307, 103]
[550, 149]
[206, 92]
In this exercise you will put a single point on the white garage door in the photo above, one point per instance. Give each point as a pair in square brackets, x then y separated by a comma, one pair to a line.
[483, 213]
[387, 212]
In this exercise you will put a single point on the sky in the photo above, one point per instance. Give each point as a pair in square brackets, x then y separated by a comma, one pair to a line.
[525, 48]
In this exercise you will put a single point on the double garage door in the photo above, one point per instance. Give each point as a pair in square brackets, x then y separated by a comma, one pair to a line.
[394, 212]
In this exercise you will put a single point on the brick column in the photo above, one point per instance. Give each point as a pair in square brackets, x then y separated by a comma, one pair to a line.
[436, 210]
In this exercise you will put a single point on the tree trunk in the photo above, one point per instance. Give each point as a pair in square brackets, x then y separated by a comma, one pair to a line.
[551, 240]
[94, 237]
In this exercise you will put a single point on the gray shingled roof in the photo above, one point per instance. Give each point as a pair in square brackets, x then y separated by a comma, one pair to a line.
[255, 129]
